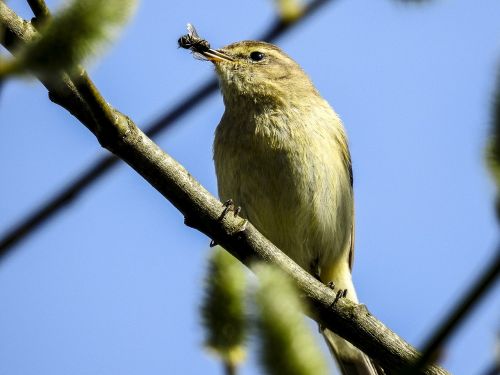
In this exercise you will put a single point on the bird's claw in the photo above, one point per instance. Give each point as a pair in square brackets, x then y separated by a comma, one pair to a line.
[229, 206]
[341, 293]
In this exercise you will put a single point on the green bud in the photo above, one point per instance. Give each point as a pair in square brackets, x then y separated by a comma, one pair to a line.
[72, 35]
[287, 345]
[223, 308]
[289, 10]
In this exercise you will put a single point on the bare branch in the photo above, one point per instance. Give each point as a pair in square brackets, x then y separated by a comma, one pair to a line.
[100, 167]
[485, 281]
[202, 211]
[39, 9]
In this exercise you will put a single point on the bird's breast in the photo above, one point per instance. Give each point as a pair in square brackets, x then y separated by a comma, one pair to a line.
[288, 176]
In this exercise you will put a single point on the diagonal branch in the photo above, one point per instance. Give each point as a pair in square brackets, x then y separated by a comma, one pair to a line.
[101, 166]
[202, 211]
[39, 8]
[487, 279]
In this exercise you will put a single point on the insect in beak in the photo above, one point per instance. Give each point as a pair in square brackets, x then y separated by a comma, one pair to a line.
[200, 47]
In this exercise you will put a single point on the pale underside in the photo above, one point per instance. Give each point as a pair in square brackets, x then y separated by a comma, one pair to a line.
[292, 179]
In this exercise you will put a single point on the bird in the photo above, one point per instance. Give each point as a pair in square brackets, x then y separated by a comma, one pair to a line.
[281, 153]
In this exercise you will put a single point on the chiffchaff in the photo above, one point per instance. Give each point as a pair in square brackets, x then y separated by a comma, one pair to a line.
[281, 153]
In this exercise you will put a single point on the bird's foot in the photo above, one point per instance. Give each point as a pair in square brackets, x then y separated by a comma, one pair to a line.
[228, 206]
[341, 293]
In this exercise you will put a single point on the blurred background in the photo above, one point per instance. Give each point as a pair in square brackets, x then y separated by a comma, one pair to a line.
[113, 284]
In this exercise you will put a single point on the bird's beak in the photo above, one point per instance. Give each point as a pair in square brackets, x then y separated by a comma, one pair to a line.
[216, 56]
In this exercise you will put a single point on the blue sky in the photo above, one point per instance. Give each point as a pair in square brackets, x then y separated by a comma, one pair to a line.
[113, 285]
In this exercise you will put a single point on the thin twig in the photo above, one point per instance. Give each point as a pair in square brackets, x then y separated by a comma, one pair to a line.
[101, 111]
[494, 369]
[101, 166]
[230, 368]
[484, 283]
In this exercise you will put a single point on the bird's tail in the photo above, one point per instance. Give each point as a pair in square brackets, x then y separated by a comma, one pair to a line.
[351, 360]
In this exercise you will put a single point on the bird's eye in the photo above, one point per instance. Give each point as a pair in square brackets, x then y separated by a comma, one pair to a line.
[256, 56]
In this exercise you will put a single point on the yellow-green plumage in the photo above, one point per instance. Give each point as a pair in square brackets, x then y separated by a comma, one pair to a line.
[281, 153]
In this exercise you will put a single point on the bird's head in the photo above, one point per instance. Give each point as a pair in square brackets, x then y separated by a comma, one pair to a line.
[259, 73]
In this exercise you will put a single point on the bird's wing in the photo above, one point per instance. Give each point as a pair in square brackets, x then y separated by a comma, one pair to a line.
[351, 250]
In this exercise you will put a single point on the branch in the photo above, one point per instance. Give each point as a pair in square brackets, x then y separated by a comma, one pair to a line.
[494, 369]
[484, 283]
[40, 9]
[202, 211]
[99, 168]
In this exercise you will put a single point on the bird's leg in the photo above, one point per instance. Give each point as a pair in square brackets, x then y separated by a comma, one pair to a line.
[228, 206]
[315, 271]
[341, 293]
